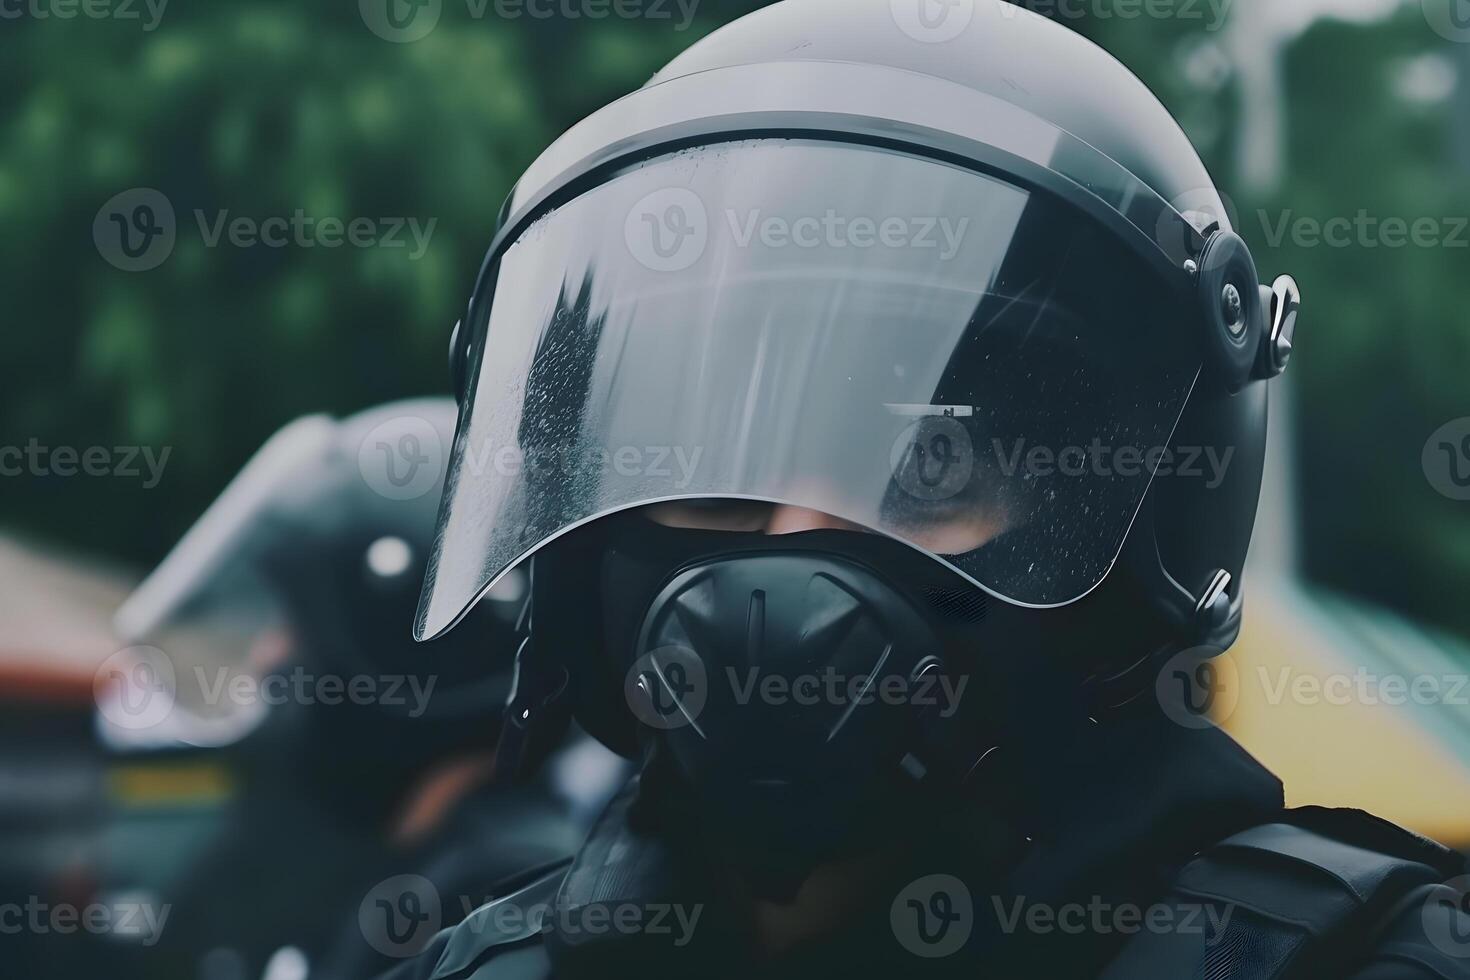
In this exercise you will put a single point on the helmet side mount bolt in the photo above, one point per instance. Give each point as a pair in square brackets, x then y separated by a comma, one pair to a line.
[1232, 307]
[1232, 314]
[1213, 609]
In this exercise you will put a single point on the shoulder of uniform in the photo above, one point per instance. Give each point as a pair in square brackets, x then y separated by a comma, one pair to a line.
[1318, 865]
[1318, 892]
[500, 940]
[1426, 936]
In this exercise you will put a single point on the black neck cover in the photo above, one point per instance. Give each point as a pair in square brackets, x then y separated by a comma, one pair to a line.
[1106, 815]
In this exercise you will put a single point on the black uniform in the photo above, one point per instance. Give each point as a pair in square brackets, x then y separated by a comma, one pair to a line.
[1196, 842]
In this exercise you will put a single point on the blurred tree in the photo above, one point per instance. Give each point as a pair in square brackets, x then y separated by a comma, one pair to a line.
[257, 111]
[262, 109]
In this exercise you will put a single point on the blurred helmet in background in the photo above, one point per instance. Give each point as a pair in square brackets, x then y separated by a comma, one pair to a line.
[302, 579]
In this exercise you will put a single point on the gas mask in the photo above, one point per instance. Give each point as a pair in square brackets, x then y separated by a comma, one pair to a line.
[789, 695]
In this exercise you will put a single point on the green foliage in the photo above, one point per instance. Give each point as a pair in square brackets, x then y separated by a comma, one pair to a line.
[256, 110]
[266, 108]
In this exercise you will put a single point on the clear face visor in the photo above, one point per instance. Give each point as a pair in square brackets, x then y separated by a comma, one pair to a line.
[933, 354]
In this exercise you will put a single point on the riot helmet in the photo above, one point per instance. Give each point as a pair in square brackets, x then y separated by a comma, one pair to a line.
[948, 274]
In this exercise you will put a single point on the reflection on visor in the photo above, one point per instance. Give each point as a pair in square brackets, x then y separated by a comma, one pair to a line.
[900, 343]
